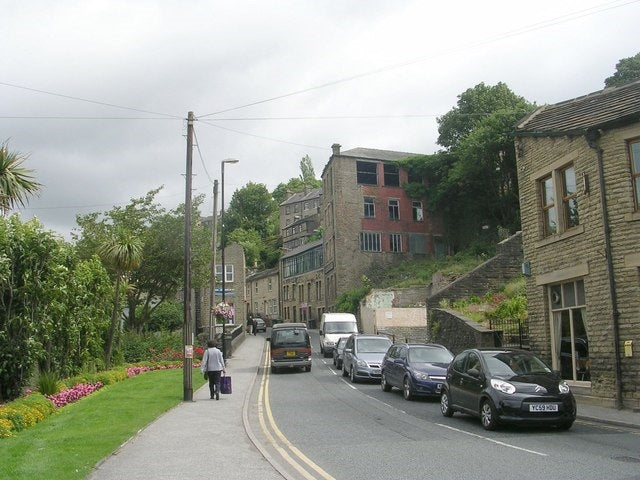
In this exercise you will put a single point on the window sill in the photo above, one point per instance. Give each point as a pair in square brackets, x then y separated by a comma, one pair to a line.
[633, 216]
[561, 236]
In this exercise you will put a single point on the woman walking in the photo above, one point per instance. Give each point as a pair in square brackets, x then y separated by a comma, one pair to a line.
[212, 366]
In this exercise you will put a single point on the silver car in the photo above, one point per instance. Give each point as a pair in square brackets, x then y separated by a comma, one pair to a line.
[337, 352]
[362, 356]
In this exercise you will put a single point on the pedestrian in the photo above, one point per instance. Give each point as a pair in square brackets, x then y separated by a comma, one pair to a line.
[254, 324]
[212, 366]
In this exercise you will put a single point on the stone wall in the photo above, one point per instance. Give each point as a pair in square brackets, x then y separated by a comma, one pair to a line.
[457, 332]
[406, 334]
[505, 266]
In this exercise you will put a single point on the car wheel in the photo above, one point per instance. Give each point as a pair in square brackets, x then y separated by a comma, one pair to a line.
[352, 375]
[344, 371]
[407, 391]
[307, 368]
[445, 405]
[383, 383]
[488, 415]
[565, 426]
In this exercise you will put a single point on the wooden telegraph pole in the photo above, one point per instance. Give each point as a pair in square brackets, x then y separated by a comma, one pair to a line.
[187, 327]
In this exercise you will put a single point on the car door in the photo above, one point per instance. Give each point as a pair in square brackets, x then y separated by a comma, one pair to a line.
[347, 355]
[472, 383]
[454, 379]
[400, 366]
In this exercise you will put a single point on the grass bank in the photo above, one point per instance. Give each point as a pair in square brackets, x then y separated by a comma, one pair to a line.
[72, 441]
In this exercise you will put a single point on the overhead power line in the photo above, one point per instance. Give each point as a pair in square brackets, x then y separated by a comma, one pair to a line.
[511, 33]
[86, 100]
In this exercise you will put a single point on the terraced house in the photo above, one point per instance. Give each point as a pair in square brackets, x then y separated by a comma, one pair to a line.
[579, 178]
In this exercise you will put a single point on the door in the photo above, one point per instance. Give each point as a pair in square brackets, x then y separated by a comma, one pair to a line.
[454, 378]
[471, 385]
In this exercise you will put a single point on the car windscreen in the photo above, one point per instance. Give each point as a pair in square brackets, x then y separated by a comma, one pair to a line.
[373, 345]
[514, 363]
[429, 355]
[340, 327]
[289, 337]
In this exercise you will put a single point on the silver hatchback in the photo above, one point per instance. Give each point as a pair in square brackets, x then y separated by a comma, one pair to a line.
[362, 356]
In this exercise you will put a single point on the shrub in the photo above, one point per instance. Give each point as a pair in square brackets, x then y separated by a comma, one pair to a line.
[47, 383]
[6, 428]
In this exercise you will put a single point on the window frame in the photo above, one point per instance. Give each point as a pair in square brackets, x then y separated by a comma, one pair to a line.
[391, 174]
[394, 210]
[555, 201]
[395, 242]
[417, 211]
[366, 172]
[370, 242]
[635, 174]
[369, 207]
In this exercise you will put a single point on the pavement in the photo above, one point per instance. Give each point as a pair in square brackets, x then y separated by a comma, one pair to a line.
[206, 439]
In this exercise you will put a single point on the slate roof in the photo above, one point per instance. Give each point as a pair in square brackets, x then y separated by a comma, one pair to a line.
[606, 108]
[301, 196]
[302, 248]
[373, 154]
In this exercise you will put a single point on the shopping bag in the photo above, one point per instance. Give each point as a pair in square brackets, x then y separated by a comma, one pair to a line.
[225, 384]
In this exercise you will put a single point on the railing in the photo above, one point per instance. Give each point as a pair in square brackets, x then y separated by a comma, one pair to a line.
[510, 333]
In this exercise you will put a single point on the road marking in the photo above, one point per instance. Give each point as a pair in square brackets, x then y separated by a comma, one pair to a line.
[264, 406]
[498, 442]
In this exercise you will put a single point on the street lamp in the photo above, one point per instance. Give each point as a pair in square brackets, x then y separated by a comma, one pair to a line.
[222, 244]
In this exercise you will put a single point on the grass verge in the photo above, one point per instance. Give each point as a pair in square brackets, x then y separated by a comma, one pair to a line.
[74, 439]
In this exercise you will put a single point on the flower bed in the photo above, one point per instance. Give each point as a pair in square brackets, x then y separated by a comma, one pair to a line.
[70, 395]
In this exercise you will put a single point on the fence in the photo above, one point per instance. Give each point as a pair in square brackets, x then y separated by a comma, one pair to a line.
[510, 333]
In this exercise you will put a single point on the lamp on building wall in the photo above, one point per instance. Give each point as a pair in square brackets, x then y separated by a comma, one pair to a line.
[222, 243]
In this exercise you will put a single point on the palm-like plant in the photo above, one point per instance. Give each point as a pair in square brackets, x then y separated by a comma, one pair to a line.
[16, 182]
[123, 252]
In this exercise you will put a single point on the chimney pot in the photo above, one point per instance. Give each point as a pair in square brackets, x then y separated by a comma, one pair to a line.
[336, 148]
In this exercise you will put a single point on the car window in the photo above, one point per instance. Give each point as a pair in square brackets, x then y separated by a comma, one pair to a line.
[514, 363]
[340, 327]
[459, 361]
[373, 345]
[402, 353]
[474, 362]
[290, 337]
[429, 355]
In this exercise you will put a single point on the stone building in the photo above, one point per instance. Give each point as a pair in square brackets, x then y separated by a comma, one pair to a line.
[579, 177]
[369, 221]
[300, 217]
[263, 294]
[301, 277]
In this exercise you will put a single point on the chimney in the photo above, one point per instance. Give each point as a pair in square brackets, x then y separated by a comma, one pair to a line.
[336, 148]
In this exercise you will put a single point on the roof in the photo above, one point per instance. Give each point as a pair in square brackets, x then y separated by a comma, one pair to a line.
[302, 248]
[373, 154]
[606, 108]
[262, 274]
[302, 196]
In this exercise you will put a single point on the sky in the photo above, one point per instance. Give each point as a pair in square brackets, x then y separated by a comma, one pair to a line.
[96, 92]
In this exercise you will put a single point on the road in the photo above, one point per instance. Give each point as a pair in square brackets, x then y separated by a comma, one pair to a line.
[319, 425]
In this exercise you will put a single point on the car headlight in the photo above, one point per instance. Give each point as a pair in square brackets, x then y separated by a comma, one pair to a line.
[502, 386]
[421, 376]
[563, 387]
[362, 363]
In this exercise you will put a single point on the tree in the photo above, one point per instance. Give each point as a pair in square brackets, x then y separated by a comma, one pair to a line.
[124, 252]
[307, 180]
[473, 182]
[250, 209]
[627, 70]
[16, 182]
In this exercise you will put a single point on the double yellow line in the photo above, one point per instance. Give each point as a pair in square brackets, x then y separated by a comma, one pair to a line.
[290, 453]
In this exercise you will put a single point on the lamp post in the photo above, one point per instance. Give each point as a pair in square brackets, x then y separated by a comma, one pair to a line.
[222, 244]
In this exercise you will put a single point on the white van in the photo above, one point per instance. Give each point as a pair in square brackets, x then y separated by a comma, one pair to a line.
[332, 327]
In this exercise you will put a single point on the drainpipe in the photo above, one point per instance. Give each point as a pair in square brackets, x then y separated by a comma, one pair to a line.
[592, 137]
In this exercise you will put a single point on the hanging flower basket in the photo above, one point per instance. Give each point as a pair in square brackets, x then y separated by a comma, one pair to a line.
[224, 313]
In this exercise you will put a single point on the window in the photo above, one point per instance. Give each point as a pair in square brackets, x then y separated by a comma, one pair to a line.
[270, 285]
[395, 242]
[634, 154]
[369, 207]
[228, 276]
[414, 177]
[256, 286]
[367, 173]
[416, 207]
[370, 242]
[394, 209]
[287, 210]
[559, 201]
[569, 194]
[417, 243]
[301, 292]
[391, 176]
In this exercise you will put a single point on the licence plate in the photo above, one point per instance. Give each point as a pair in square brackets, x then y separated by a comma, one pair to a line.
[291, 353]
[543, 407]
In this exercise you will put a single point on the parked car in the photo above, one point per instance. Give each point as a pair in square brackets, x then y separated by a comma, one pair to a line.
[362, 356]
[338, 351]
[290, 346]
[507, 386]
[261, 326]
[417, 369]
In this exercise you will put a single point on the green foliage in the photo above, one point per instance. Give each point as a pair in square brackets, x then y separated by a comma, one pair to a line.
[627, 71]
[147, 346]
[349, 301]
[166, 316]
[16, 182]
[250, 208]
[53, 306]
[307, 180]
[47, 383]
[23, 413]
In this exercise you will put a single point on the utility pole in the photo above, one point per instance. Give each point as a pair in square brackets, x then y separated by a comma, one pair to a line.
[187, 327]
[214, 239]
